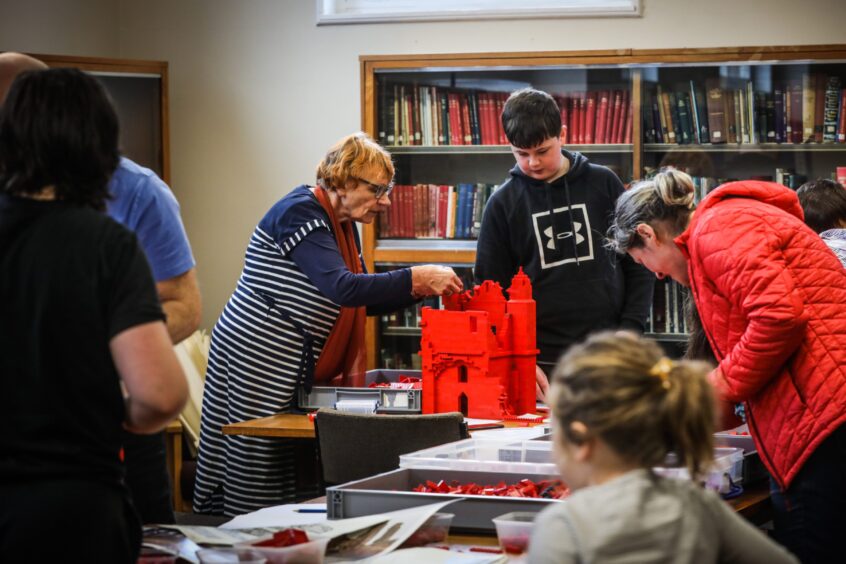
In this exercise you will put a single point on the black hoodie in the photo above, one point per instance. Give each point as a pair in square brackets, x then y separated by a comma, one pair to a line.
[555, 231]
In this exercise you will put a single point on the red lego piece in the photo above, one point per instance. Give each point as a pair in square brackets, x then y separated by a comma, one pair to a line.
[479, 352]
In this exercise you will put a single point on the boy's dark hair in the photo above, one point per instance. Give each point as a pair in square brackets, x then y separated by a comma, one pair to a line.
[58, 128]
[530, 117]
[824, 204]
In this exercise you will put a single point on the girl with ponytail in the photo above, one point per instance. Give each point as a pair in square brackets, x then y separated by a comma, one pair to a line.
[619, 408]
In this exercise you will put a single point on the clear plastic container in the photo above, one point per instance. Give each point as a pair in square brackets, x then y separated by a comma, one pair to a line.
[486, 455]
[435, 529]
[514, 531]
[311, 552]
[738, 437]
[728, 463]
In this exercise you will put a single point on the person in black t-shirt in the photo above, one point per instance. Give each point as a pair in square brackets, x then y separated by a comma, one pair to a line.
[83, 347]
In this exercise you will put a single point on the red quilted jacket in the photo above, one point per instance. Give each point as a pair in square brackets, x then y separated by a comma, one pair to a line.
[772, 298]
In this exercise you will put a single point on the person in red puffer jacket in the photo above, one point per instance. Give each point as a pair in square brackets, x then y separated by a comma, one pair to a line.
[772, 299]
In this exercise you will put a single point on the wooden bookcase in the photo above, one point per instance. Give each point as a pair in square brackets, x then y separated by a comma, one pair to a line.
[139, 91]
[749, 81]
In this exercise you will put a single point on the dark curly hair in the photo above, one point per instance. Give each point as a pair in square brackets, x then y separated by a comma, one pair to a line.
[58, 128]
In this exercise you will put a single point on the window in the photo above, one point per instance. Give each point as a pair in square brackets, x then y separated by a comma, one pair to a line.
[386, 11]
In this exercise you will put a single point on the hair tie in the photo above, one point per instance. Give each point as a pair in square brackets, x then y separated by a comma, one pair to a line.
[661, 369]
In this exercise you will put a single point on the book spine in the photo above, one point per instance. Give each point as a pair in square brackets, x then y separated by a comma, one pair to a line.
[809, 105]
[668, 118]
[796, 111]
[686, 136]
[564, 107]
[716, 111]
[574, 119]
[780, 124]
[590, 118]
[582, 118]
[819, 106]
[832, 106]
[694, 116]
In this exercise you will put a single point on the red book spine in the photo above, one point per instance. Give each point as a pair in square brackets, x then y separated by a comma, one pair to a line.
[841, 119]
[582, 118]
[616, 127]
[627, 129]
[455, 135]
[500, 104]
[443, 196]
[563, 105]
[490, 118]
[613, 110]
[418, 210]
[602, 117]
[482, 98]
[590, 118]
[574, 119]
[408, 208]
[465, 120]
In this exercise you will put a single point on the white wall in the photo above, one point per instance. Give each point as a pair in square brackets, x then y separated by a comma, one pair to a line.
[258, 92]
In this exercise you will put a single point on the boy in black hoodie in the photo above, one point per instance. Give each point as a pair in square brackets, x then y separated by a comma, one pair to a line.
[550, 218]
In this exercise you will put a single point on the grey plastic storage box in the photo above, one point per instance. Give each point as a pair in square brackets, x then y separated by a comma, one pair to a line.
[387, 400]
[392, 491]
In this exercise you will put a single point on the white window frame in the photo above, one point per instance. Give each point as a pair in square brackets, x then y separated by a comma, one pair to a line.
[333, 12]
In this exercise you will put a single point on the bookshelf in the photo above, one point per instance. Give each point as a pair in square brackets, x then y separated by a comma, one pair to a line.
[139, 91]
[768, 112]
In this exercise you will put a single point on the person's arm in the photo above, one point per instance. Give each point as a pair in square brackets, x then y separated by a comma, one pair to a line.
[180, 299]
[318, 257]
[741, 542]
[154, 381]
[493, 257]
[760, 287]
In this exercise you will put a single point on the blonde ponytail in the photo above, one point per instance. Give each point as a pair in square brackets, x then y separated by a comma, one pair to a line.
[641, 404]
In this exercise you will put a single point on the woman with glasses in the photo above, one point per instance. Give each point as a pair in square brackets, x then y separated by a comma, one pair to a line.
[297, 318]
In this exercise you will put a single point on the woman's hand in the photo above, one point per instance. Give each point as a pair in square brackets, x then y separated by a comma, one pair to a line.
[434, 280]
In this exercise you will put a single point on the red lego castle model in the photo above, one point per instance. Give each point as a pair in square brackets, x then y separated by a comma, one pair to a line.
[479, 352]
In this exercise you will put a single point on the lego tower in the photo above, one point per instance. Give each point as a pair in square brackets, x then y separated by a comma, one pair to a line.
[479, 352]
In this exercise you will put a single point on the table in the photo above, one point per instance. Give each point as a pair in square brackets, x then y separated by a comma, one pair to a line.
[290, 426]
[282, 425]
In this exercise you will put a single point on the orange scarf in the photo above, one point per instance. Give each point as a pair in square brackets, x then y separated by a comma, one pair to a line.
[344, 353]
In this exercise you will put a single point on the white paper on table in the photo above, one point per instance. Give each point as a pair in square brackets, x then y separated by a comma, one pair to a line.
[471, 421]
[278, 516]
[425, 555]
[397, 527]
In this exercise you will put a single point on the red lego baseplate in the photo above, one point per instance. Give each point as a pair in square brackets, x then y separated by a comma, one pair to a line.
[479, 352]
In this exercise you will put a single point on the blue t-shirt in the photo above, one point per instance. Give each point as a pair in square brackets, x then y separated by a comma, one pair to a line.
[144, 204]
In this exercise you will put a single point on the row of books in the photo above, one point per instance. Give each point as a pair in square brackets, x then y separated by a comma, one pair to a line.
[667, 314]
[410, 317]
[807, 110]
[435, 211]
[412, 114]
[596, 117]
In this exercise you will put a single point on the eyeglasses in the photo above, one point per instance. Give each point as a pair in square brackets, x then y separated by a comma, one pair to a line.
[378, 190]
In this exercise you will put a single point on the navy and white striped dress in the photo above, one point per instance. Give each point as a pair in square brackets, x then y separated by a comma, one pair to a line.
[258, 346]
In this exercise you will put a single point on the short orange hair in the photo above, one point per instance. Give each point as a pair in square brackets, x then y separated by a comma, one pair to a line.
[351, 157]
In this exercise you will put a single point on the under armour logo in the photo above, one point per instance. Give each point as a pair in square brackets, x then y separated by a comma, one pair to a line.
[565, 235]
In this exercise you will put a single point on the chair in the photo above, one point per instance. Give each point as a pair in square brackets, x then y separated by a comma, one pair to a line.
[353, 446]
